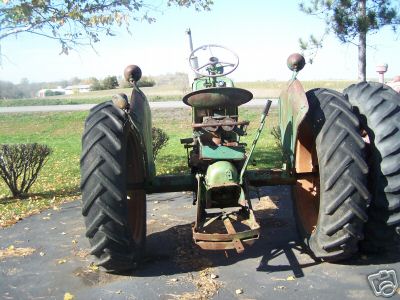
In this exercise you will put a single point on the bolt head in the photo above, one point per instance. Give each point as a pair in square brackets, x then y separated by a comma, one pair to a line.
[381, 68]
[132, 73]
[296, 62]
[121, 101]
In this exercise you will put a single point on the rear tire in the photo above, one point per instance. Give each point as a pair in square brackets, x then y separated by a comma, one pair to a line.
[115, 223]
[330, 199]
[378, 108]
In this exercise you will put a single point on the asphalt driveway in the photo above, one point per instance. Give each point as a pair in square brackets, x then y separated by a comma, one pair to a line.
[47, 258]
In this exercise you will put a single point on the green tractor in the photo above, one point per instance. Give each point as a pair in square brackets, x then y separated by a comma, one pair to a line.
[341, 152]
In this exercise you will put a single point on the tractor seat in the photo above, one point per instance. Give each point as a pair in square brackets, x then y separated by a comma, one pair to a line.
[220, 97]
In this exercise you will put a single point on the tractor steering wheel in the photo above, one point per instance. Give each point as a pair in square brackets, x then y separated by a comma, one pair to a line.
[213, 62]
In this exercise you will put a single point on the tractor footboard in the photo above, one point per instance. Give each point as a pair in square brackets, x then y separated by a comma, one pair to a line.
[226, 231]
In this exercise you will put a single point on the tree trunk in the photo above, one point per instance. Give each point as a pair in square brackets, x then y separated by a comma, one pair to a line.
[362, 45]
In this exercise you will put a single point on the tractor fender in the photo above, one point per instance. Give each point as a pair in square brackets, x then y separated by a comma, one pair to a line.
[293, 107]
[141, 123]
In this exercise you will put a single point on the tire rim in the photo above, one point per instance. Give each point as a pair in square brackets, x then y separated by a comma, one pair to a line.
[136, 199]
[306, 191]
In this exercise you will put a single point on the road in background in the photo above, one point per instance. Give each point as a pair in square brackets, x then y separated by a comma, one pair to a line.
[85, 107]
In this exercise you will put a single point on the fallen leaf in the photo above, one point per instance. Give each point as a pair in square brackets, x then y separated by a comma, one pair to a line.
[278, 279]
[68, 296]
[290, 278]
[42, 254]
[239, 291]
[74, 242]
[12, 251]
[61, 261]
[93, 267]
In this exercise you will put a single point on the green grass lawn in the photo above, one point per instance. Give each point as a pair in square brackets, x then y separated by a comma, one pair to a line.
[260, 89]
[59, 180]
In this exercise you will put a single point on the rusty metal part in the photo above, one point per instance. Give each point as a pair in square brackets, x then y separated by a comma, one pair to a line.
[218, 97]
[220, 124]
[132, 73]
[231, 230]
[216, 140]
[136, 199]
[306, 199]
[210, 124]
[229, 124]
[296, 62]
[121, 101]
[305, 156]
[231, 240]
[307, 187]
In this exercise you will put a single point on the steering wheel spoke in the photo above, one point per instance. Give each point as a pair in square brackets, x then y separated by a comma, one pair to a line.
[226, 64]
[203, 66]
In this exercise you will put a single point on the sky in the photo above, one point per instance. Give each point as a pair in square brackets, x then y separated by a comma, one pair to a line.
[263, 34]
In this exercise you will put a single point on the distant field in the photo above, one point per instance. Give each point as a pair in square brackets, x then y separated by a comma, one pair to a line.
[272, 89]
[162, 93]
[260, 89]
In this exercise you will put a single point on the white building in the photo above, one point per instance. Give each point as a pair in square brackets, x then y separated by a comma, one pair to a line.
[42, 93]
[69, 90]
[77, 89]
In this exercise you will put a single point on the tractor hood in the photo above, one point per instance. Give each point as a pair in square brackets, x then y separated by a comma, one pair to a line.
[221, 173]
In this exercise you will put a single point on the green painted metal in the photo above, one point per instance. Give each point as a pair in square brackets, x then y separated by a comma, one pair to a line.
[293, 107]
[221, 173]
[222, 153]
[171, 183]
[206, 82]
[187, 182]
[140, 114]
